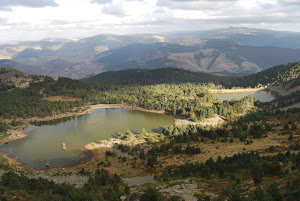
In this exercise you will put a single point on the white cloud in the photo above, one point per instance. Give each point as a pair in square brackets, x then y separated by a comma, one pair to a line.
[195, 4]
[7, 4]
[36, 19]
[295, 2]
[101, 1]
[115, 10]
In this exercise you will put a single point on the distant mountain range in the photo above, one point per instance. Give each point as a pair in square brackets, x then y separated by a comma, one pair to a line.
[283, 75]
[231, 50]
[214, 56]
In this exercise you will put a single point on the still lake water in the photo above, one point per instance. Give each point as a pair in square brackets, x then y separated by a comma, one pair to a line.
[44, 141]
[262, 96]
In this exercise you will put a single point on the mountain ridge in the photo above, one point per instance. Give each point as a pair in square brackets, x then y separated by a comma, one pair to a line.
[236, 50]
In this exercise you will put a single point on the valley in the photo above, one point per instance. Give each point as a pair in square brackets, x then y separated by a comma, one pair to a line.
[149, 100]
[204, 147]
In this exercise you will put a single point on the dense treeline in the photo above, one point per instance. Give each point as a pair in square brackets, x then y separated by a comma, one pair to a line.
[188, 100]
[284, 101]
[100, 186]
[258, 166]
[27, 102]
[246, 163]
[159, 76]
[236, 192]
[4, 87]
[3, 127]
[189, 133]
[75, 88]
[192, 101]
[165, 149]
[238, 168]
[275, 75]
[251, 125]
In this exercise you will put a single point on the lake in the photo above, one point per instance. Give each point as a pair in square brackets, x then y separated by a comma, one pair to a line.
[44, 141]
[262, 96]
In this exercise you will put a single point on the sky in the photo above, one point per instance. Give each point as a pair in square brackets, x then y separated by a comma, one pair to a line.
[38, 19]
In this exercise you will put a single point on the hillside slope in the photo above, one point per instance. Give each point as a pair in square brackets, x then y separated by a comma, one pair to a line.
[156, 76]
[282, 74]
[14, 78]
[214, 56]
[233, 50]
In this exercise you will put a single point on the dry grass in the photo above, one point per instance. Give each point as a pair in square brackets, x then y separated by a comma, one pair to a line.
[225, 91]
[61, 98]
[124, 169]
[209, 149]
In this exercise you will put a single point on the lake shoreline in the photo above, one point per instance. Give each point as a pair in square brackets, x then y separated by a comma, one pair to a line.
[21, 133]
[15, 135]
[228, 91]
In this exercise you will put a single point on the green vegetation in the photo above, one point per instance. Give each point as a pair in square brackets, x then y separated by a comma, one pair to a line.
[275, 75]
[158, 76]
[27, 102]
[284, 101]
[189, 100]
[192, 101]
[243, 164]
[3, 127]
[100, 186]
[258, 166]
[280, 74]
[243, 176]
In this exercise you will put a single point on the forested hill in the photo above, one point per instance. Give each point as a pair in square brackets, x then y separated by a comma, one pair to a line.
[274, 75]
[157, 76]
[11, 77]
[280, 74]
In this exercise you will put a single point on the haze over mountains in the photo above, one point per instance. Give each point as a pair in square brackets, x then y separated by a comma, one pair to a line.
[231, 50]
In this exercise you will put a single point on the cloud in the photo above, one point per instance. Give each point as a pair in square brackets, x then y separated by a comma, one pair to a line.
[25, 21]
[2, 20]
[115, 10]
[290, 2]
[101, 1]
[7, 4]
[68, 22]
[195, 4]
[107, 1]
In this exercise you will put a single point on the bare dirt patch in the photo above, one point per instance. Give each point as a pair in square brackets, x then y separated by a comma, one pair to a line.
[226, 91]
[214, 121]
[61, 98]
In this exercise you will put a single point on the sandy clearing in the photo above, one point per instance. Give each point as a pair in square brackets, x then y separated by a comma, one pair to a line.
[225, 91]
[214, 121]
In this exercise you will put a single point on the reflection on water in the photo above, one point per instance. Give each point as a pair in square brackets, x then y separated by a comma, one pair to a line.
[44, 141]
[262, 96]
